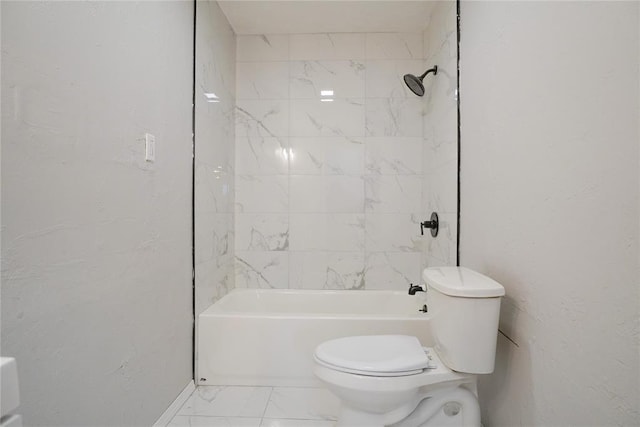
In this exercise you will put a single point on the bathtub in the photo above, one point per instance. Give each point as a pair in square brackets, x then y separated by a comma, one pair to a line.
[267, 337]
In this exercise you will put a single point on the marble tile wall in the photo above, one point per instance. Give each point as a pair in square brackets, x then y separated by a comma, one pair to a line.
[330, 186]
[441, 133]
[214, 154]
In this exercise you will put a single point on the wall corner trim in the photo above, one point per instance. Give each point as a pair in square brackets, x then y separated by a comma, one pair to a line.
[173, 409]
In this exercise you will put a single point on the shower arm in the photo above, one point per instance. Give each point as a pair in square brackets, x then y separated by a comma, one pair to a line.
[433, 70]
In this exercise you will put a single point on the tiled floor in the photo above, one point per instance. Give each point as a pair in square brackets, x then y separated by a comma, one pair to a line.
[230, 406]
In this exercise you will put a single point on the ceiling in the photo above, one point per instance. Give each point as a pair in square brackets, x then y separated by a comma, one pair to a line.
[326, 16]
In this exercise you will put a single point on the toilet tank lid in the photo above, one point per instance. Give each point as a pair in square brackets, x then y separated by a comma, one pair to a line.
[461, 282]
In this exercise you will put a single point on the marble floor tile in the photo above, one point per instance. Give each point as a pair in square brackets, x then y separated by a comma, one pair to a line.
[302, 404]
[197, 421]
[227, 401]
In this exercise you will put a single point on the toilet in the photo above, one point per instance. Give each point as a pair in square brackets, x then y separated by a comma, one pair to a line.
[393, 380]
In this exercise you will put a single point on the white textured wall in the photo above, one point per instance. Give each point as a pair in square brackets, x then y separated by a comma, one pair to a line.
[214, 153]
[550, 141]
[96, 259]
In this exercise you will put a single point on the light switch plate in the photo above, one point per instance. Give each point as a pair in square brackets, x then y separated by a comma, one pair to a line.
[149, 147]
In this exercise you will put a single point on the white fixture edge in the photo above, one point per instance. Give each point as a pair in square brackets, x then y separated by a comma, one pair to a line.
[175, 406]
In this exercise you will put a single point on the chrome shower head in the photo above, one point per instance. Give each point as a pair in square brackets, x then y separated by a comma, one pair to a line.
[415, 83]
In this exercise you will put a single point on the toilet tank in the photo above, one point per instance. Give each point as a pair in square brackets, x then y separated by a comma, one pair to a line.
[465, 307]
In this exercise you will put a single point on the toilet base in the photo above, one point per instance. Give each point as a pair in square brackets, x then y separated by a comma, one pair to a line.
[352, 417]
[452, 406]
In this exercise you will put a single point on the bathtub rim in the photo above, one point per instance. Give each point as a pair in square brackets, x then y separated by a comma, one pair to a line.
[220, 309]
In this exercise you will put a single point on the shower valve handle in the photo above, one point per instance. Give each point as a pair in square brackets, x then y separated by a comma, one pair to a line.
[433, 225]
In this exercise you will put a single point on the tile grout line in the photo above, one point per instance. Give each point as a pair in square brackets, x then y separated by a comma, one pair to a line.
[290, 153]
[266, 406]
[366, 141]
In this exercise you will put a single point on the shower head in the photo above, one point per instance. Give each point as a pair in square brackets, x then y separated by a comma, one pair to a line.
[415, 83]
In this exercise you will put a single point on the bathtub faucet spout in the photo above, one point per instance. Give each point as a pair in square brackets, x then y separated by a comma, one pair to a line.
[415, 288]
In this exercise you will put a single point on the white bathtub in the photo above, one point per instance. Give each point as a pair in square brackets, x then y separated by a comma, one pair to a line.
[267, 337]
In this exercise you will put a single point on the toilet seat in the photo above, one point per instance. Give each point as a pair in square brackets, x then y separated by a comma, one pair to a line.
[368, 373]
[440, 375]
[376, 355]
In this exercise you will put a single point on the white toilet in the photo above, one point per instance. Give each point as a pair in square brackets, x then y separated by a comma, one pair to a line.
[384, 380]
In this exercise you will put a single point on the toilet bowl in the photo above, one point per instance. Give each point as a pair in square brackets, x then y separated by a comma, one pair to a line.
[392, 380]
